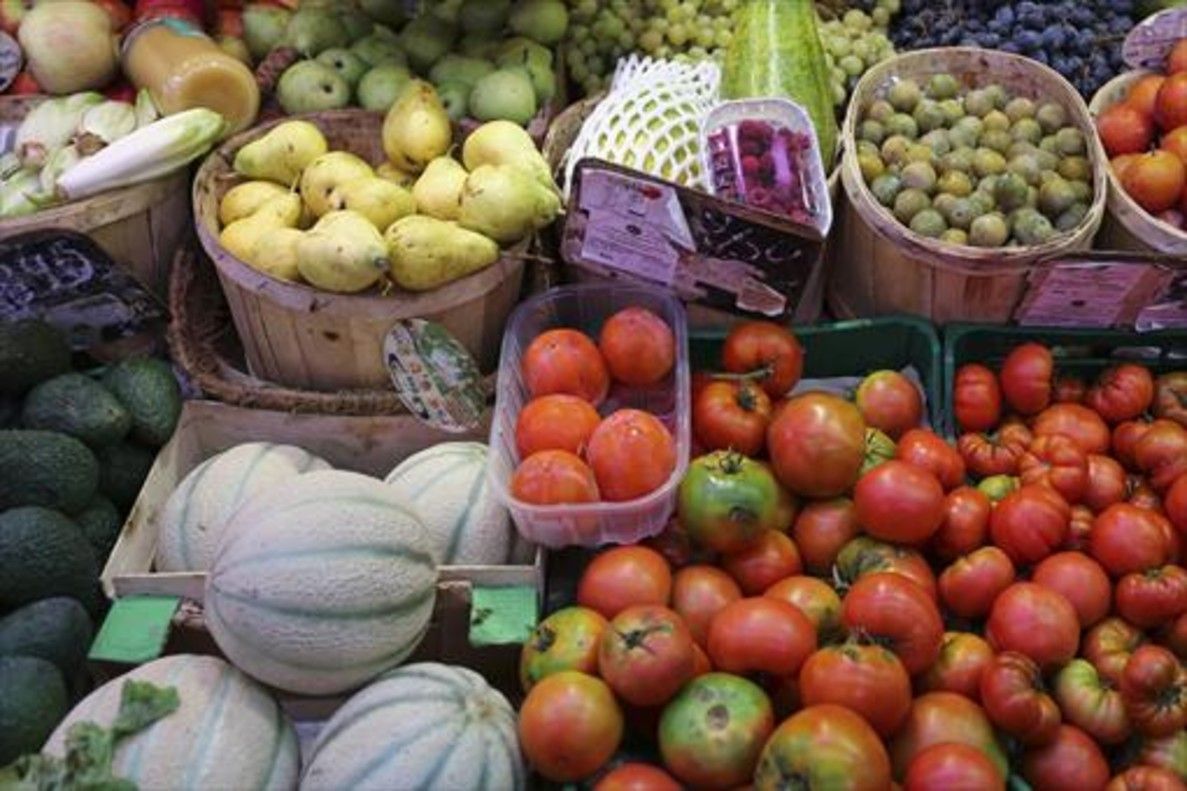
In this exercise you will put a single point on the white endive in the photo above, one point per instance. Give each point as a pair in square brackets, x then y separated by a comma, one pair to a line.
[103, 124]
[51, 125]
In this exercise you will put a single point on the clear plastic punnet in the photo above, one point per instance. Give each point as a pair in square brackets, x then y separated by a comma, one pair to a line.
[585, 307]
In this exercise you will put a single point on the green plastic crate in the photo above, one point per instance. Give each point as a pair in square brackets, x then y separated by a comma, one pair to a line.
[1083, 352]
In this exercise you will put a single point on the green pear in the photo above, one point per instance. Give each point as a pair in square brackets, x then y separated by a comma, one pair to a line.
[309, 87]
[244, 200]
[382, 85]
[459, 68]
[385, 12]
[544, 21]
[282, 154]
[476, 16]
[325, 173]
[445, 10]
[506, 143]
[505, 203]
[477, 45]
[314, 30]
[356, 23]
[349, 66]
[343, 253]
[239, 237]
[263, 27]
[378, 48]
[377, 199]
[416, 129]
[425, 40]
[537, 61]
[438, 191]
[455, 96]
[504, 94]
[426, 253]
[275, 253]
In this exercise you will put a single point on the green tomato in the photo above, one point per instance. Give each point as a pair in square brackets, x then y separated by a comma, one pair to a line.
[728, 500]
[995, 487]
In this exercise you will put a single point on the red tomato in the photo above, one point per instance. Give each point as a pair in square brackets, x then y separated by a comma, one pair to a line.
[632, 454]
[821, 529]
[1078, 423]
[1154, 688]
[1142, 495]
[1154, 597]
[970, 584]
[899, 614]
[897, 501]
[947, 766]
[622, 577]
[1167, 753]
[976, 398]
[1161, 453]
[1058, 462]
[1072, 762]
[966, 523]
[767, 349]
[1069, 389]
[866, 679]
[677, 546]
[963, 659]
[1106, 482]
[1125, 437]
[864, 555]
[553, 477]
[1034, 621]
[817, 445]
[699, 593]
[1016, 701]
[1091, 702]
[945, 717]
[637, 777]
[1146, 778]
[1026, 378]
[1080, 528]
[985, 455]
[566, 640]
[565, 361]
[1080, 580]
[555, 422]
[732, 416]
[889, 401]
[815, 598]
[1122, 392]
[638, 347]
[1174, 636]
[760, 634]
[1170, 397]
[1176, 504]
[1030, 523]
[824, 746]
[646, 654]
[1127, 539]
[772, 558]
[1108, 646]
[925, 449]
[569, 725]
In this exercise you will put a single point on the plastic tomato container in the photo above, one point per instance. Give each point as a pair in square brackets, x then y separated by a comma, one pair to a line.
[585, 307]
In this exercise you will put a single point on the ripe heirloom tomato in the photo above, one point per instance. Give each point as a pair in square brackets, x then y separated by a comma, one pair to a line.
[897, 501]
[889, 401]
[555, 422]
[864, 555]
[712, 732]
[698, 593]
[1108, 646]
[622, 577]
[925, 449]
[970, 584]
[566, 640]
[821, 529]
[727, 501]
[824, 746]
[986, 455]
[760, 634]
[1142, 495]
[1154, 688]
[976, 398]
[815, 599]
[1127, 539]
[553, 477]
[866, 679]
[945, 717]
[1146, 778]
[1125, 437]
[1030, 523]
[646, 654]
[1034, 621]
[1058, 462]
[631, 454]
[569, 725]
[1026, 378]
[1016, 701]
[946, 766]
[1072, 762]
[963, 659]
[1170, 397]
[897, 613]
[732, 416]
[1174, 636]
[1091, 702]
[1106, 482]
[1176, 504]
[1122, 392]
[879, 448]
[1079, 529]
[634, 776]
[1080, 580]
[638, 347]
[817, 444]
[1161, 453]
[772, 558]
[1154, 597]
[766, 349]
[565, 361]
[966, 523]
[1078, 423]
[1069, 389]
[1167, 753]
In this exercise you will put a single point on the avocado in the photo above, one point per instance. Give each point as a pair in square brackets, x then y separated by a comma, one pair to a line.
[46, 468]
[100, 522]
[43, 554]
[31, 351]
[33, 701]
[147, 388]
[122, 470]
[57, 630]
[79, 406]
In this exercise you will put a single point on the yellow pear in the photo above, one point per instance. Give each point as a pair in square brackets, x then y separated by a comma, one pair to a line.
[282, 154]
[379, 200]
[245, 199]
[240, 237]
[427, 253]
[506, 143]
[438, 191]
[275, 253]
[396, 176]
[343, 252]
[325, 173]
[505, 203]
[417, 128]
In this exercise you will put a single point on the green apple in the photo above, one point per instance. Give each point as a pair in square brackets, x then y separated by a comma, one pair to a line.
[380, 86]
[309, 86]
[349, 65]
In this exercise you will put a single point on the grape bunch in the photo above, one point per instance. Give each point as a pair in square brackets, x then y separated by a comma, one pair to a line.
[855, 42]
[1080, 39]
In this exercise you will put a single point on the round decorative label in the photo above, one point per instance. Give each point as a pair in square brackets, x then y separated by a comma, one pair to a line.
[434, 375]
[1151, 40]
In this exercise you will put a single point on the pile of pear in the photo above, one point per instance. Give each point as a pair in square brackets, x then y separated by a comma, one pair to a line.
[418, 220]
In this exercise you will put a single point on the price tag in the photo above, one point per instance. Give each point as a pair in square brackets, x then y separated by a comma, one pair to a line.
[135, 629]
[1151, 40]
[434, 375]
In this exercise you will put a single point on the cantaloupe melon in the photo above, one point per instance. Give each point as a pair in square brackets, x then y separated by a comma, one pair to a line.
[321, 583]
[228, 732]
[198, 510]
[446, 485]
[424, 726]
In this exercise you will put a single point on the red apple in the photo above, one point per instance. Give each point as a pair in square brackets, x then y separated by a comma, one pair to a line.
[1155, 181]
[1177, 60]
[1175, 141]
[1124, 129]
[1170, 108]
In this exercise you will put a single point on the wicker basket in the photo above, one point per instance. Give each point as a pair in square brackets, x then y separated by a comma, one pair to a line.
[139, 226]
[309, 339]
[882, 267]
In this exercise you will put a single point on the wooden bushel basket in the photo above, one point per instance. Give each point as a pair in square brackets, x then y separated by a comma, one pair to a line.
[882, 267]
[302, 337]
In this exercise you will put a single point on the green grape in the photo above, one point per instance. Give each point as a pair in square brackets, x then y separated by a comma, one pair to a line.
[881, 17]
[852, 65]
[705, 36]
[698, 53]
[722, 38]
[838, 46]
[678, 35]
[651, 41]
[626, 40]
[863, 49]
[856, 20]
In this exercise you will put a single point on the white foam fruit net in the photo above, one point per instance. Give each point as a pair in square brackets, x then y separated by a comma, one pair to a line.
[650, 119]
